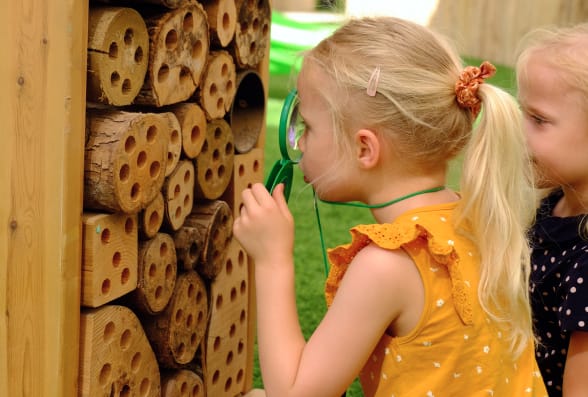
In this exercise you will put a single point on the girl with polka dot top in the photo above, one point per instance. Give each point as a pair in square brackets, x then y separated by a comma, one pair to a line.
[552, 74]
[431, 299]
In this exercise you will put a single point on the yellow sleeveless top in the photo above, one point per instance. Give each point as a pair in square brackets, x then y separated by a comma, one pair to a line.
[455, 349]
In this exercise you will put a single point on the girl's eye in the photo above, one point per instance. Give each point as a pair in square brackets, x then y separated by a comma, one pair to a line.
[537, 119]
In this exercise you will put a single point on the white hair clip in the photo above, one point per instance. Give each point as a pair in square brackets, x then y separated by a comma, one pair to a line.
[372, 86]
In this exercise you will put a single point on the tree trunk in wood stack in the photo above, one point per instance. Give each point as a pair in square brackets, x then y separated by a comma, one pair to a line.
[178, 194]
[178, 331]
[118, 48]
[115, 356]
[189, 243]
[151, 218]
[125, 160]
[157, 274]
[252, 35]
[214, 220]
[109, 265]
[182, 383]
[193, 126]
[227, 338]
[214, 164]
[218, 85]
[247, 116]
[174, 149]
[179, 45]
[222, 18]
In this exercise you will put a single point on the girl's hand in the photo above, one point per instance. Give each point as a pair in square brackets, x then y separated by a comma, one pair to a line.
[265, 227]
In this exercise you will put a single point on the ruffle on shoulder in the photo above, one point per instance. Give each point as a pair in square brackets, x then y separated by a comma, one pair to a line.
[394, 236]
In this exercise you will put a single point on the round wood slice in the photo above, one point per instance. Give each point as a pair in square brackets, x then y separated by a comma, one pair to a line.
[193, 126]
[151, 218]
[178, 194]
[222, 18]
[218, 86]
[181, 383]
[252, 36]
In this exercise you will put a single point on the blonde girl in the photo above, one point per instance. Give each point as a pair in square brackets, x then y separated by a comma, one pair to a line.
[432, 299]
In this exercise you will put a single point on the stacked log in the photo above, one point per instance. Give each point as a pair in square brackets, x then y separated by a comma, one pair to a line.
[174, 133]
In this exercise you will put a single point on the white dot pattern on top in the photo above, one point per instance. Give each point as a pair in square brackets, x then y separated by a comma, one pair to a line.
[559, 295]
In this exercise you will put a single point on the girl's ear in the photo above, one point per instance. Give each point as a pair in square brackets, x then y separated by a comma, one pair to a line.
[368, 148]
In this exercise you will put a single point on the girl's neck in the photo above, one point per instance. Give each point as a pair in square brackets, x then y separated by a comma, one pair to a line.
[574, 202]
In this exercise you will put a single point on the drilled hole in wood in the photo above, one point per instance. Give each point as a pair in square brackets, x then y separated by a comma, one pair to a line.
[125, 391]
[244, 27]
[181, 349]
[188, 24]
[204, 147]
[215, 377]
[229, 148]
[229, 86]
[130, 144]
[220, 103]
[170, 157]
[152, 270]
[224, 70]
[152, 133]
[163, 249]
[243, 317]
[265, 29]
[145, 387]
[129, 226]
[190, 321]
[183, 388]
[125, 339]
[175, 137]
[233, 294]
[135, 191]
[126, 86]
[232, 330]
[177, 191]
[255, 24]
[163, 73]
[195, 134]
[158, 292]
[255, 166]
[124, 173]
[154, 219]
[125, 276]
[105, 236]
[155, 169]
[109, 330]
[243, 287]
[105, 286]
[136, 362]
[252, 47]
[113, 50]
[139, 55]
[193, 339]
[179, 315]
[208, 175]
[192, 251]
[228, 384]
[241, 258]
[215, 155]
[240, 376]
[187, 176]
[241, 170]
[221, 171]
[171, 40]
[196, 391]
[169, 272]
[197, 50]
[240, 347]
[187, 201]
[212, 90]
[129, 34]
[219, 301]
[178, 212]
[104, 376]
[229, 267]
[114, 79]
[217, 344]
[200, 317]
[191, 291]
[226, 20]
[229, 358]
[185, 75]
[116, 259]
[199, 297]
[141, 159]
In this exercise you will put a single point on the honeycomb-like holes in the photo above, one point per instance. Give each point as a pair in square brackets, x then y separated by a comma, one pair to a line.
[109, 332]
[228, 384]
[233, 295]
[105, 287]
[105, 235]
[229, 267]
[154, 220]
[188, 23]
[243, 317]
[139, 55]
[125, 339]
[197, 50]
[219, 302]
[243, 287]
[113, 50]
[130, 144]
[128, 37]
[216, 345]
[124, 173]
[163, 73]
[135, 191]
[145, 387]
[116, 259]
[154, 169]
[114, 79]
[171, 40]
[241, 170]
[105, 374]
[141, 159]
[195, 134]
[215, 377]
[136, 362]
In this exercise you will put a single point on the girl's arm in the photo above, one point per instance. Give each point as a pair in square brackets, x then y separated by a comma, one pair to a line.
[377, 288]
[575, 381]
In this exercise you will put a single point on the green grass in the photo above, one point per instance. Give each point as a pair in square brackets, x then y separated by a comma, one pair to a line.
[336, 221]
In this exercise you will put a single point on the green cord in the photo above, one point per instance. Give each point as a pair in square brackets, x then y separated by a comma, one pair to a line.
[360, 205]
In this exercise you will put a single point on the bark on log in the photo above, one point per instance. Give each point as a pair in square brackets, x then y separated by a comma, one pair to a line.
[115, 356]
[109, 266]
[157, 271]
[218, 85]
[178, 194]
[125, 160]
[118, 48]
[252, 36]
[247, 115]
[214, 220]
[214, 164]
[177, 332]
[178, 48]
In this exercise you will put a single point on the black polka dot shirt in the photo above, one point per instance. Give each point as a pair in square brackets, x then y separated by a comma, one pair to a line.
[559, 288]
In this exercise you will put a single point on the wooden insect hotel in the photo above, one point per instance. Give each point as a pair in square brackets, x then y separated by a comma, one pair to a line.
[123, 277]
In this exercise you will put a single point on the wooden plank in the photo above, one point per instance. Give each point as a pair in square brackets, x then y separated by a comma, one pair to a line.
[42, 75]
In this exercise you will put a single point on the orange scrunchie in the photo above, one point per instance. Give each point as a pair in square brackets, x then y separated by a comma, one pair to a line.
[466, 87]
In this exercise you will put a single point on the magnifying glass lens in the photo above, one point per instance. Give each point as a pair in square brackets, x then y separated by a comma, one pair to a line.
[295, 129]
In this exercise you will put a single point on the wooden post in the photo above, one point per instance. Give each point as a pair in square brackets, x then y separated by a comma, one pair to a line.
[42, 106]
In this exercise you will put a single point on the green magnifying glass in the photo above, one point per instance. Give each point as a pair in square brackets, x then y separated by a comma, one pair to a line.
[290, 130]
